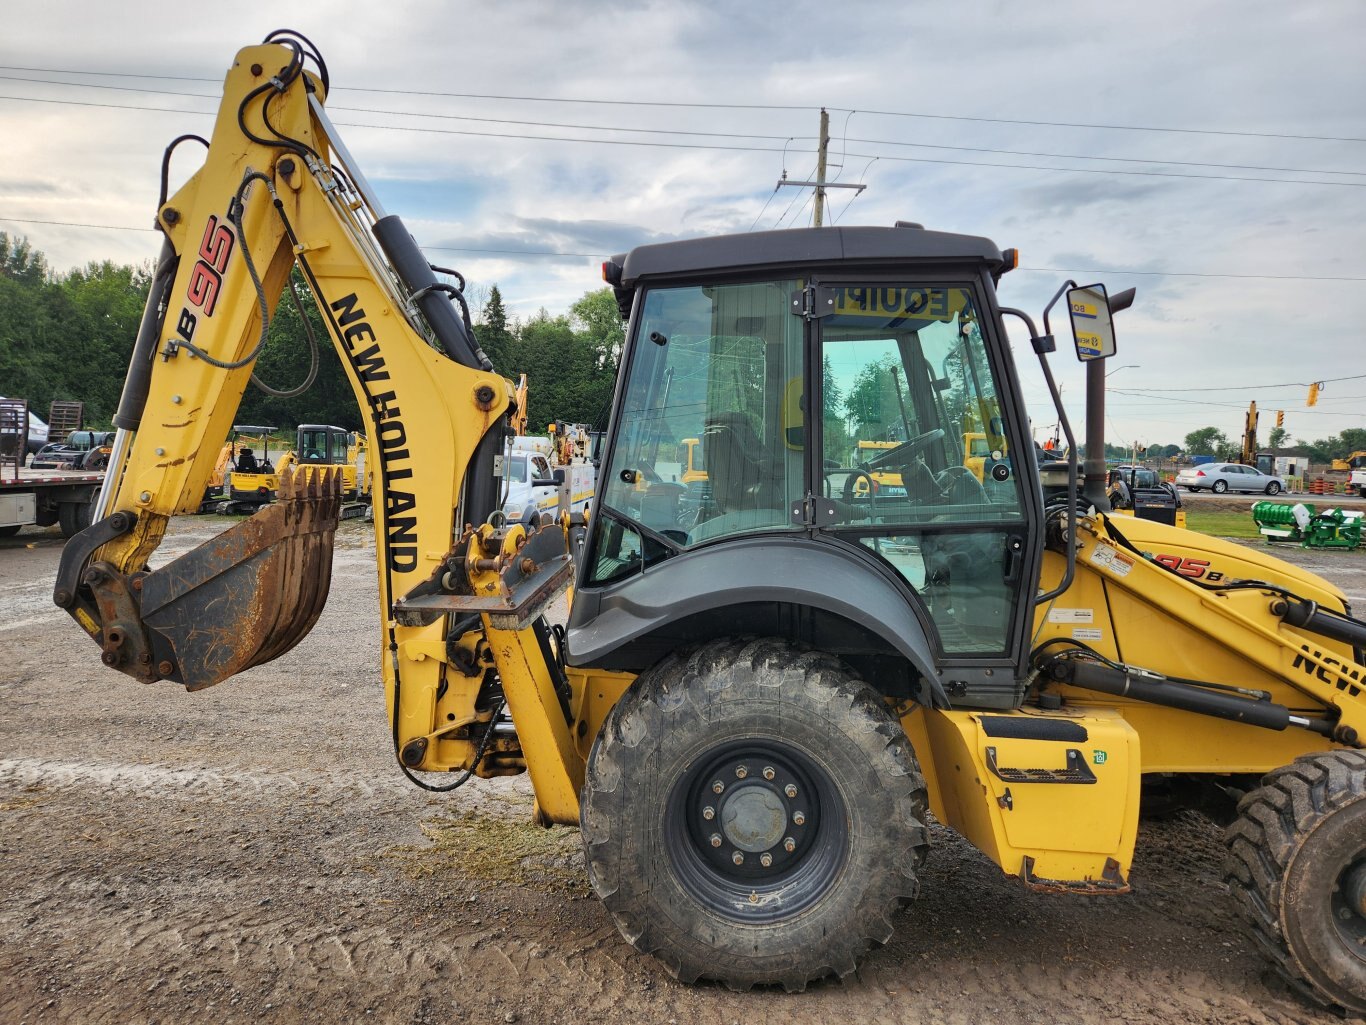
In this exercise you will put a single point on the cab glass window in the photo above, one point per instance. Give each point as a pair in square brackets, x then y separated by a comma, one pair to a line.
[717, 369]
[912, 415]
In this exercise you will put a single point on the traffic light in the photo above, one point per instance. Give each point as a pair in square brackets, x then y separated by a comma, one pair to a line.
[1313, 394]
[1280, 418]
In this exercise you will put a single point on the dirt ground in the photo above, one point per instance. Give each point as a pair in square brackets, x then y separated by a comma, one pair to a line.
[251, 853]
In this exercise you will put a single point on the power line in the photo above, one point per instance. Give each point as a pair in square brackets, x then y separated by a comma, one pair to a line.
[435, 249]
[1164, 401]
[1268, 387]
[723, 135]
[845, 209]
[74, 224]
[1116, 128]
[794, 198]
[1189, 274]
[418, 114]
[738, 106]
[1126, 160]
[738, 149]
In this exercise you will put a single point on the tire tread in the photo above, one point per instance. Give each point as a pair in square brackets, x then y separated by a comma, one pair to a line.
[706, 675]
[1272, 822]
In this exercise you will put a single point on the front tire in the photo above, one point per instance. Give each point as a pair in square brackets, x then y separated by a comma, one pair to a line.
[795, 866]
[1297, 867]
[1273, 488]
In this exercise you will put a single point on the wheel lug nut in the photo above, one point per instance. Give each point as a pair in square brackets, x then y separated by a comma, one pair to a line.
[799, 818]
[789, 845]
[738, 858]
[765, 859]
[741, 772]
[716, 839]
[717, 787]
[768, 772]
[709, 813]
[790, 790]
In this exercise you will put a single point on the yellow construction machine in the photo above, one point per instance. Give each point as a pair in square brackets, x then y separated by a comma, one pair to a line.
[251, 479]
[322, 448]
[756, 708]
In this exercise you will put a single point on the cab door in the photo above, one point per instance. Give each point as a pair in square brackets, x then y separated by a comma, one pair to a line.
[921, 457]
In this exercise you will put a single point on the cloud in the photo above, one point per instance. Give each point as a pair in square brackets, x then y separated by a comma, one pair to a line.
[913, 73]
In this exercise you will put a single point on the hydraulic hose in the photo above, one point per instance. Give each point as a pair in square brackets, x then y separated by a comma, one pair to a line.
[413, 269]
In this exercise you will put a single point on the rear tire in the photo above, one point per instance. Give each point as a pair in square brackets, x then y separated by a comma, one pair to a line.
[803, 751]
[74, 517]
[1297, 868]
[1219, 487]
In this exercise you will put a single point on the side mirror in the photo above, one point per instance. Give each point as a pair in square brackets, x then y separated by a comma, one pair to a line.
[1093, 328]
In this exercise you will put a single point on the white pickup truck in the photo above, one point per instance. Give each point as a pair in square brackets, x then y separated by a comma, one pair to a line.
[528, 470]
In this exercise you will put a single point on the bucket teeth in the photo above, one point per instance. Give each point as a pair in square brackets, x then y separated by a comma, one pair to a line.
[252, 593]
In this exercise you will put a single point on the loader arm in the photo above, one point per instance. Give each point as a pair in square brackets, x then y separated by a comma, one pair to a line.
[277, 189]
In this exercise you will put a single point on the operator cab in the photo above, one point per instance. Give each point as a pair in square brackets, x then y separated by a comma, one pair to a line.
[324, 445]
[858, 409]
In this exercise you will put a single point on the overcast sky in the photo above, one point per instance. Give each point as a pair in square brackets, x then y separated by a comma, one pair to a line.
[1212, 154]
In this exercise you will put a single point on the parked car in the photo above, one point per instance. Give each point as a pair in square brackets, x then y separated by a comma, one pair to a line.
[37, 433]
[1222, 477]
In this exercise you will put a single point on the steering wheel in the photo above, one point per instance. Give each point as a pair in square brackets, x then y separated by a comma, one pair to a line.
[903, 452]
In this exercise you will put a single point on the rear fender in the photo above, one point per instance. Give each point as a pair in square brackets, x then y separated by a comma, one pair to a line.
[612, 627]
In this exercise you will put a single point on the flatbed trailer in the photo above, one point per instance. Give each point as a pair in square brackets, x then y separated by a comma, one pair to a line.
[45, 497]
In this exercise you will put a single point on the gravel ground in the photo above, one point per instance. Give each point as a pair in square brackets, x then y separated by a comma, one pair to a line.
[250, 853]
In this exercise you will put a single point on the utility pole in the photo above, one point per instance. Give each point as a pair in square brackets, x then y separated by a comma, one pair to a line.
[820, 184]
[820, 166]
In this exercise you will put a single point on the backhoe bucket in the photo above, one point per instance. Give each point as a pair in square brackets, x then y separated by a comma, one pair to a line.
[241, 599]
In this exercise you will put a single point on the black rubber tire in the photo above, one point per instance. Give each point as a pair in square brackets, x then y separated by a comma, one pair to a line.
[856, 867]
[1219, 487]
[74, 517]
[1295, 837]
[11, 529]
[1273, 488]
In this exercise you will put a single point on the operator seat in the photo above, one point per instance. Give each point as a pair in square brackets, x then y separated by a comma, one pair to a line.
[733, 469]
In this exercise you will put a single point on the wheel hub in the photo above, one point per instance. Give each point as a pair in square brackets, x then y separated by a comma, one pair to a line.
[1348, 907]
[1355, 889]
[753, 818]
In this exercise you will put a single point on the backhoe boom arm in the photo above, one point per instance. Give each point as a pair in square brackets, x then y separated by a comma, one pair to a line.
[277, 189]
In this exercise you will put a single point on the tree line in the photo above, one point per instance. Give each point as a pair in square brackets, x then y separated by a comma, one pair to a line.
[1212, 441]
[70, 336]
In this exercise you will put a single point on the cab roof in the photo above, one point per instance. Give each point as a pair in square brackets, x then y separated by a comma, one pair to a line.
[798, 246]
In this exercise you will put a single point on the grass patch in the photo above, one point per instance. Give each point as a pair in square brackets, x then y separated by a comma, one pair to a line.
[499, 850]
[1222, 524]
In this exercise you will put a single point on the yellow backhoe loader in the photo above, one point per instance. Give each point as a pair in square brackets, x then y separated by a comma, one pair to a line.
[754, 711]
